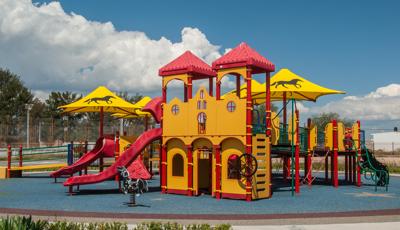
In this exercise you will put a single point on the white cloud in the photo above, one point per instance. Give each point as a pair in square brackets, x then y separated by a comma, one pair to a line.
[54, 50]
[381, 104]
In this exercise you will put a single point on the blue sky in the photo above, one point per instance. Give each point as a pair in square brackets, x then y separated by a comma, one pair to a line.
[77, 45]
[348, 45]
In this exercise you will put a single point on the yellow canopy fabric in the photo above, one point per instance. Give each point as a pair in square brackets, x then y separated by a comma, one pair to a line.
[285, 81]
[100, 99]
[142, 102]
[256, 88]
[136, 112]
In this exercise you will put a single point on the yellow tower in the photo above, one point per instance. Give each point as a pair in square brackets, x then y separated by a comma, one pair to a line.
[207, 140]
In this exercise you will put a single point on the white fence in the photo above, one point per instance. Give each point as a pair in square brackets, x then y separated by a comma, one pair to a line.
[389, 147]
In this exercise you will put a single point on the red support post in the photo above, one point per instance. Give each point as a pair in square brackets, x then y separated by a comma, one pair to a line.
[297, 154]
[190, 170]
[217, 171]
[185, 93]
[268, 122]
[163, 172]
[289, 167]
[284, 111]
[210, 86]
[238, 85]
[358, 169]
[249, 130]
[86, 150]
[116, 155]
[189, 88]
[20, 155]
[309, 157]
[351, 169]
[335, 154]
[218, 90]
[327, 167]
[9, 152]
[354, 175]
[268, 128]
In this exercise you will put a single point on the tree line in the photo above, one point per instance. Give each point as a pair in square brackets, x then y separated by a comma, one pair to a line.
[15, 96]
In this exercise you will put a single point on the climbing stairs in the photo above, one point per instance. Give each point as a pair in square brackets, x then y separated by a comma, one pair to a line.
[262, 178]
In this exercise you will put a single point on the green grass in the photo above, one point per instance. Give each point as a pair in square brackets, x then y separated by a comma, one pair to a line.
[27, 223]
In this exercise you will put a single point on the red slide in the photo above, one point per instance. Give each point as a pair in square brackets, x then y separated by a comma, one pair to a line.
[104, 148]
[126, 159]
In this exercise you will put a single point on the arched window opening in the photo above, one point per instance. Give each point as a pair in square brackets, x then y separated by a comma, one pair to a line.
[177, 165]
[233, 167]
[201, 119]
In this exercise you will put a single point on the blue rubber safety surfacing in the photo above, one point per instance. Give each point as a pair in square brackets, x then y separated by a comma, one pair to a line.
[42, 193]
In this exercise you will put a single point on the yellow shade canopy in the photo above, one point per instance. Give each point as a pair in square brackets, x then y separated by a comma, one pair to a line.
[256, 89]
[289, 83]
[143, 102]
[129, 116]
[136, 112]
[101, 99]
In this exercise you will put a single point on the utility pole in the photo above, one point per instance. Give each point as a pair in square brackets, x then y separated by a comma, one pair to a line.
[28, 108]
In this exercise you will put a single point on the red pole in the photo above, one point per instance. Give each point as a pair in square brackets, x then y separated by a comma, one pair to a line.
[358, 155]
[8, 160]
[189, 88]
[351, 169]
[217, 171]
[346, 168]
[309, 159]
[210, 86]
[185, 93]
[286, 159]
[249, 131]
[335, 154]
[238, 85]
[163, 157]
[268, 127]
[101, 133]
[20, 155]
[101, 122]
[163, 169]
[218, 90]
[327, 167]
[190, 170]
[297, 155]
[86, 150]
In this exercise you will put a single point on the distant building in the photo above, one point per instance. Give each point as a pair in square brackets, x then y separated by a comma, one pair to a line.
[387, 141]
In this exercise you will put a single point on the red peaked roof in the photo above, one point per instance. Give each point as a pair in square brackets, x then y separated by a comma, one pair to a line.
[243, 55]
[187, 63]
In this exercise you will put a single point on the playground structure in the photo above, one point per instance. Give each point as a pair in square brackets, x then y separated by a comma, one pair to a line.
[220, 144]
[211, 144]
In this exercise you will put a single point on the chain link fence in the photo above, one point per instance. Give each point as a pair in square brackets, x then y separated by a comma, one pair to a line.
[55, 132]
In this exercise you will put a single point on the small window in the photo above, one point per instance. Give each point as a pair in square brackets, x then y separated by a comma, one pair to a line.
[198, 104]
[202, 94]
[175, 109]
[201, 119]
[233, 167]
[204, 105]
[231, 106]
[177, 165]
